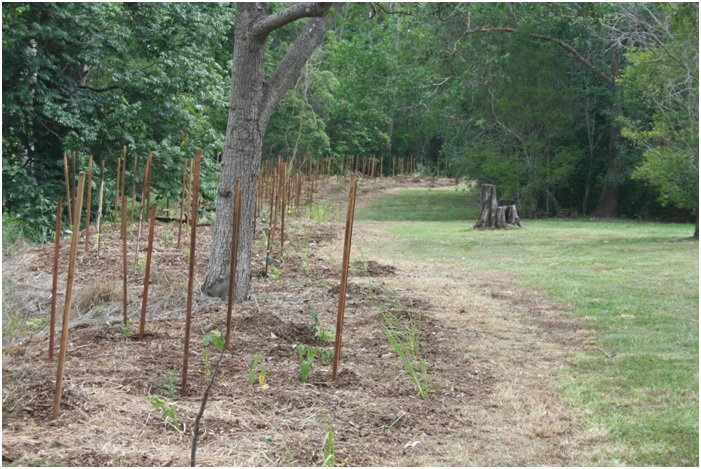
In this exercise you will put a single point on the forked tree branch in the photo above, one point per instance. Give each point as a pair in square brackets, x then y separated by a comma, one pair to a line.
[264, 25]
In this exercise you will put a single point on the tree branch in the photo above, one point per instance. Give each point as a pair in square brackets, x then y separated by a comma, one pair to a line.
[264, 25]
[575, 55]
[291, 65]
[100, 90]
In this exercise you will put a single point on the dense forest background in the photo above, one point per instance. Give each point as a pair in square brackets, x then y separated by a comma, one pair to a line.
[583, 109]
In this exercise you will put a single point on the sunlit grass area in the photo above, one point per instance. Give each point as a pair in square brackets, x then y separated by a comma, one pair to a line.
[636, 284]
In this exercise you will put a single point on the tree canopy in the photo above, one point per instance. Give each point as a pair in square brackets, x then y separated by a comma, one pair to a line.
[567, 107]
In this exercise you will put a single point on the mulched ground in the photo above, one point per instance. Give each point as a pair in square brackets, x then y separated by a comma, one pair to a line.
[493, 352]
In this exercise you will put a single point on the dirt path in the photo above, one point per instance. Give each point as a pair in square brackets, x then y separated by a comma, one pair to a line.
[494, 353]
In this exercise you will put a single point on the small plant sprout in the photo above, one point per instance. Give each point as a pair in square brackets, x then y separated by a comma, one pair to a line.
[212, 337]
[170, 412]
[168, 237]
[328, 446]
[323, 335]
[274, 272]
[170, 384]
[123, 330]
[307, 355]
[140, 266]
[401, 347]
[257, 367]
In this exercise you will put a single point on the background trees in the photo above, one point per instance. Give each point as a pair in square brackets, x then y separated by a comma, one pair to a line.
[608, 127]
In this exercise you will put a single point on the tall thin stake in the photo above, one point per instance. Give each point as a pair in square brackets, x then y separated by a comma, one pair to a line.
[191, 275]
[73, 178]
[234, 255]
[88, 206]
[69, 291]
[54, 284]
[99, 205]
[182, 201]
[344, 273]
[124, 259]
[147, 272]
[283, 184]
[145, 195]
[116, 190]
[133, 188]
[68, 188]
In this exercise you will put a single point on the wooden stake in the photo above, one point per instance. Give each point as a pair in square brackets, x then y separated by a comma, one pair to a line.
[54, 284]
[283, 184]
[116, 190]
[68, 189]
[99, 205]
[147, 272]
[124, 259]
[191, 275]
[344, 273]
[182, 201]
[73, 179]
[133, 189]
[69, 291]
[89, 205]
[234, 256]
[145, 196]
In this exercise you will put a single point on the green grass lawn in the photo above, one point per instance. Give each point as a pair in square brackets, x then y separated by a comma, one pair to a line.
[635, 283]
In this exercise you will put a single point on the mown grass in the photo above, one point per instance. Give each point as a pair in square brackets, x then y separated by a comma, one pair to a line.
[635, 283]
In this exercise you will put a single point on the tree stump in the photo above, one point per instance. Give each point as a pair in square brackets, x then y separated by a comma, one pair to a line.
[494, 216]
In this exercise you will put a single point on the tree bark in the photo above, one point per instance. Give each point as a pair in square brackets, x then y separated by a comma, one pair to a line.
[607, 206]
[492, 215]
[252, 102]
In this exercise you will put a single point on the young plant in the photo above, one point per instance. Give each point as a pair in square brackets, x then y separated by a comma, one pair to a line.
[170, 384]
[170, 412]
[328, 447]
[212, 337]
[257, 366]
[123, 330]
[323, 335]
[408, 335]
[307, 355]
[140, 266]
[400, 347]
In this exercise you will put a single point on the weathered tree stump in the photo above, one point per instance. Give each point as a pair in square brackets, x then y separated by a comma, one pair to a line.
[492, 215]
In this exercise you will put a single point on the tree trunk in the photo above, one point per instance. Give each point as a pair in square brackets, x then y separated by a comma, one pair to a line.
[607, 206]
[253, 100]
[492, 215]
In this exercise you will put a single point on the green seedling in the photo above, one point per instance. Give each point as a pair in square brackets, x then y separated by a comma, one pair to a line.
[212, 337]
[123, 330]
[256, 367]
[328, 447]
[140, 266]
[170, 412]
[421, 380]
[170, 384]
[320, 334]
[308, 355]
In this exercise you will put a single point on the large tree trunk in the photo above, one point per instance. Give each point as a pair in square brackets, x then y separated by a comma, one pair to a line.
[492, 215]
[607, 206]
[252, 102]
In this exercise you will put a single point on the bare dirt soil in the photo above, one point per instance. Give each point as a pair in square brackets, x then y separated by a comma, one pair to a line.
[494, 352]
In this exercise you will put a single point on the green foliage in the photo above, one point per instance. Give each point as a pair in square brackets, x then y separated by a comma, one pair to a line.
[170, 412]
[213, 337]
[402, 349]
[308, 355]
[170, 384]
[111, 85]
[662, 80]
[328, 447]
[321, 334]
[256, 367]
